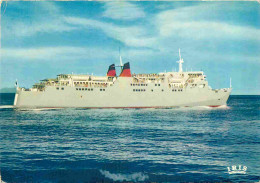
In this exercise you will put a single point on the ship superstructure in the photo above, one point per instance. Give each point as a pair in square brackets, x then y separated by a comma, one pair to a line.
[167, 89]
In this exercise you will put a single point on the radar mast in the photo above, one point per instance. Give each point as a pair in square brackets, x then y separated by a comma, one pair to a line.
[180, 61]
[120, 59]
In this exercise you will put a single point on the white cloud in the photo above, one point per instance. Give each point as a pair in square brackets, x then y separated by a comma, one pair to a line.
[171, 29]
[122, 10]
[132, 35]
[54, 53]
[189, 22]
[29, 29]
[71, 54]
[45, 17]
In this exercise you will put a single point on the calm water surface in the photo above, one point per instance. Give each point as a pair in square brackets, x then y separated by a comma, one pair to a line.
[158, 145]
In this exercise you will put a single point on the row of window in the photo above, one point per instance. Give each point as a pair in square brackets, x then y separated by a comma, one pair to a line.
[89, 83]
[85, 89]
[88, 89]
[143, 90]
[59, 88]
[144, 84]
[139, 84]
[139, 90]
[135, 90]
[175, 90]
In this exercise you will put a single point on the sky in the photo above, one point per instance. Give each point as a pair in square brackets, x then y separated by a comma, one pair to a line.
[41, 39]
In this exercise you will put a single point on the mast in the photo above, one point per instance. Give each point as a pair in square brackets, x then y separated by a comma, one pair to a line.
[121, 62]
[180, 61]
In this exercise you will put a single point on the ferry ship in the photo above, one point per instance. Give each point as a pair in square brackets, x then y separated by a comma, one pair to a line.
[161, 90]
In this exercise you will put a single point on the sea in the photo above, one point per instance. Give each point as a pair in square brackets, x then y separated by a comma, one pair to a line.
[190, 144]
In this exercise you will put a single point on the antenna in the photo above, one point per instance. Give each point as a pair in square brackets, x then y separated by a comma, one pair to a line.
[230, 84]
[120, 59]
[121, 63]
[180, 61]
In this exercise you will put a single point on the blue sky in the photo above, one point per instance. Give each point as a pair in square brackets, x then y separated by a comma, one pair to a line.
[42, 39]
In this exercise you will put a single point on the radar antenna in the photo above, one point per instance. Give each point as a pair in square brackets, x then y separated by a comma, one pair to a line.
[180, 61]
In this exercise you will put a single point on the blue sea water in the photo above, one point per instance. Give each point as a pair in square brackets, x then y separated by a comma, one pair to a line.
[144, 145]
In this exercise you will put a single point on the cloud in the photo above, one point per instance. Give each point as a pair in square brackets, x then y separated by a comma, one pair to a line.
[122, 10]
[131, 35]
[54, 53]
[44, 17]
[29, 29]
[136, 177]
[69, 53]
[192, 23]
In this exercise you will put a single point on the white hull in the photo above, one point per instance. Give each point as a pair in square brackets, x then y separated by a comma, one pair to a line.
[121, 95]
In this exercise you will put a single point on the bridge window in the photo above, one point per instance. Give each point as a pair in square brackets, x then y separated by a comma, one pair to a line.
[62, 88]
[57, 88]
